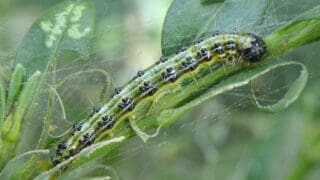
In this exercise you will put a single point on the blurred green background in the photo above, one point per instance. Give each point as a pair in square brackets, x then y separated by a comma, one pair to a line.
[225, 138]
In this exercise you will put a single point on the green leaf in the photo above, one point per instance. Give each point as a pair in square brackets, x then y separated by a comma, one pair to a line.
[66, 26]
[16, 165]
[2, 102]
[291, 95]
[206, 2]
[64, 29]
[89, 172]
[143, 136]
[188, 20]
[16, 83]
[11, 132]
[298, 32]
[23, 104]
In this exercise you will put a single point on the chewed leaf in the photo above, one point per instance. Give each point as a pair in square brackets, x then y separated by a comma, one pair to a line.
[67, 26]
[293, 92]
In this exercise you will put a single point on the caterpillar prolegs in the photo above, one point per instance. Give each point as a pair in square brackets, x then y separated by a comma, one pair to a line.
[230, 49]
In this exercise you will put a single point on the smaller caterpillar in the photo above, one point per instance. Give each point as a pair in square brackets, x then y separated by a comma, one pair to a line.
[229, 48]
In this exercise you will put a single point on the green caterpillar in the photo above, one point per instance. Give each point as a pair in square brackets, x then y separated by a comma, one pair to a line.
[230, 49]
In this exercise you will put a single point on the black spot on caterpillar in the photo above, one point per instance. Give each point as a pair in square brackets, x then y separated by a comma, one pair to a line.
[228, 48]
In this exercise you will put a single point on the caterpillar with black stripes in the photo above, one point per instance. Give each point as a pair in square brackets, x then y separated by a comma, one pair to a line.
[230, 49]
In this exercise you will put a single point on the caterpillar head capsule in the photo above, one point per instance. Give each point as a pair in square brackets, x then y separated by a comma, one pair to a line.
[254, 49]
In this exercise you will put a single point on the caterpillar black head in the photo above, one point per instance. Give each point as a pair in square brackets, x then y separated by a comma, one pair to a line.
[254, 49]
